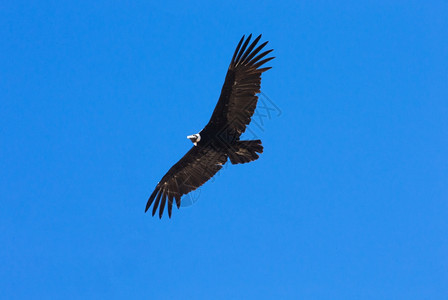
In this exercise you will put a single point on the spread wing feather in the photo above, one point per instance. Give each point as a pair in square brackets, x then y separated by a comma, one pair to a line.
[190, 172]
[238, 99]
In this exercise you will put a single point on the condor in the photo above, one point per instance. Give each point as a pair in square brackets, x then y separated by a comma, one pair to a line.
[220, 138]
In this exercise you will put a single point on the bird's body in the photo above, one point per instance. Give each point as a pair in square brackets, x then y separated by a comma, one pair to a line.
[220, 138]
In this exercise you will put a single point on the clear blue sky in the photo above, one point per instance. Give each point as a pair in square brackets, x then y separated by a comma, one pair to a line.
[348, 201]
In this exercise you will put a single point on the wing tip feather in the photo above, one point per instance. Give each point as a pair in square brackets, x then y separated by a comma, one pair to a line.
[151, 199]
[245, 53]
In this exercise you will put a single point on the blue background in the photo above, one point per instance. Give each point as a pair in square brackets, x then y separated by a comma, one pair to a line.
[348, 201]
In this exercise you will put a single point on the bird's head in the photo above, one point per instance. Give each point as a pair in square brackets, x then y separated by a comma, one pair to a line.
[194, 138]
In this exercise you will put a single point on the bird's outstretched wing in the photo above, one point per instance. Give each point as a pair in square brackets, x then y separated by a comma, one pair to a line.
[193, 170]
[238, 98]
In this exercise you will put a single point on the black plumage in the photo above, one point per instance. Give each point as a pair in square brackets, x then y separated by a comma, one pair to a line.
[220, 138]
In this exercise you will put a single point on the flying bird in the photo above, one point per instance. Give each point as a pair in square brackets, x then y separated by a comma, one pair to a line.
[219, 140]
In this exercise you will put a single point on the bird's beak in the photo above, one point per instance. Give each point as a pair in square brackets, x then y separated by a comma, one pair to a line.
[191, 137]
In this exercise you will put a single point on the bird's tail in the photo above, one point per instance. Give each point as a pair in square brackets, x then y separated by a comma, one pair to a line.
[245, 151]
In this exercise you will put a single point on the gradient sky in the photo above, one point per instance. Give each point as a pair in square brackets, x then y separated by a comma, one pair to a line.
[348, 201]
